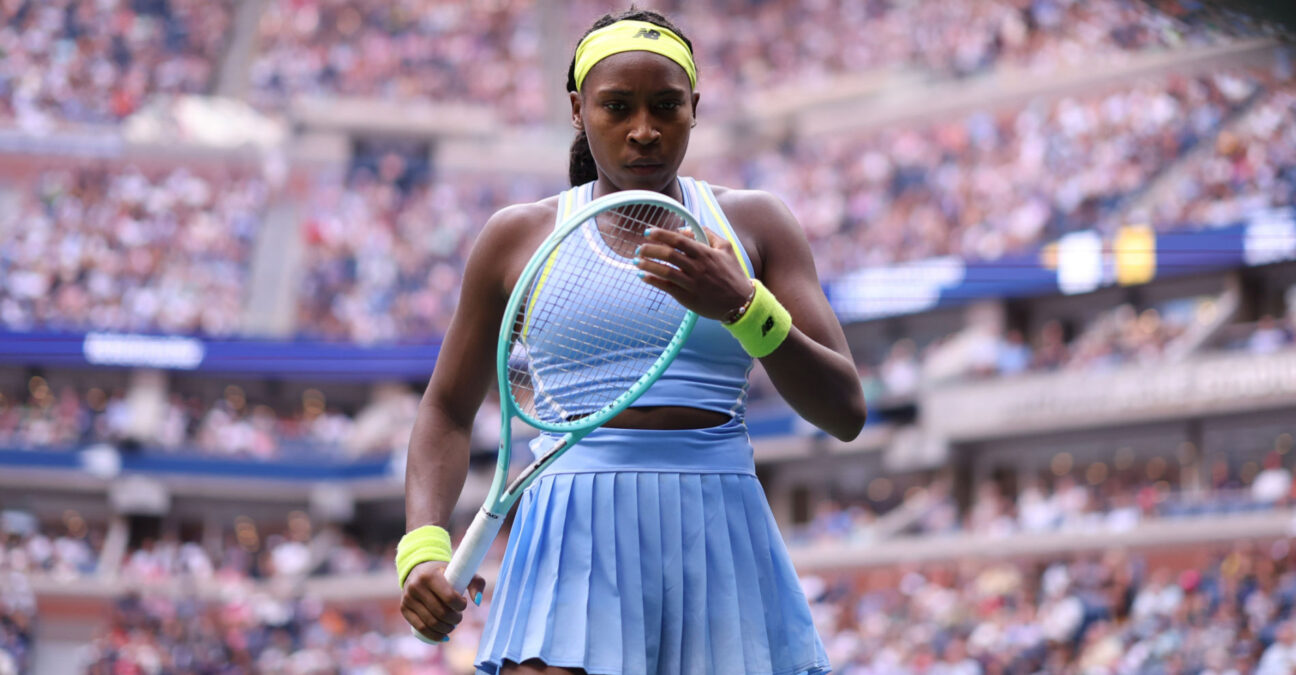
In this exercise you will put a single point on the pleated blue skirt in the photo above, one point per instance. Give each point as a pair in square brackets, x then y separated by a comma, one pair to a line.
[648, 551]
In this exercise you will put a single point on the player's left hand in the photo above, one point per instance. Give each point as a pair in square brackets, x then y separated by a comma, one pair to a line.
[704, 277]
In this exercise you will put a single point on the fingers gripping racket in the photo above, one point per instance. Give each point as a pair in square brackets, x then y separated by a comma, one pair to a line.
[583, 337]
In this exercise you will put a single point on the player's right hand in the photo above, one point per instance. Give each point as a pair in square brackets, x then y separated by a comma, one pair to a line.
[430, 605]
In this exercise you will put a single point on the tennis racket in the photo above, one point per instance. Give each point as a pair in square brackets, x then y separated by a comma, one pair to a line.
[581, 339]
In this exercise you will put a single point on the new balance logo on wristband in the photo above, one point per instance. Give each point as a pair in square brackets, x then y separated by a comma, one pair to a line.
[647, 33]
[765, 327]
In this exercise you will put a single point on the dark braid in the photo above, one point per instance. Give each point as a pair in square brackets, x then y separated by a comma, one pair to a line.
[580, 167]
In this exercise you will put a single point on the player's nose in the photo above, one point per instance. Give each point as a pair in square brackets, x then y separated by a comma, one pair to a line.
[643, 131]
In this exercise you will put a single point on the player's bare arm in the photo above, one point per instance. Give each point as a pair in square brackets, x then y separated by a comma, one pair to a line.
[439, 445]
[465, 365]
[812, 369]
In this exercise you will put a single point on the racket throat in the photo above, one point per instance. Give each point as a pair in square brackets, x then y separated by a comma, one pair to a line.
[542, 462]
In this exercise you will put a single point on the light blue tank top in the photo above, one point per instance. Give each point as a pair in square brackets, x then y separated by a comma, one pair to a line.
[711, 369]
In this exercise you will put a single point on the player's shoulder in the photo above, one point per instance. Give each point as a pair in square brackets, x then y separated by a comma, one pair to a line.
[508, 239]
[755, 210]
[741, 197]
[514, 219]
[518, 225]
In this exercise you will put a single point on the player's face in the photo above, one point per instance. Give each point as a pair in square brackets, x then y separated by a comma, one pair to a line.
[637, 111]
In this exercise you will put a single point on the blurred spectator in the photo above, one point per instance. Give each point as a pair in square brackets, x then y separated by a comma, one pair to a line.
[1014, 355]
[1037, 513]
[1268, 337]
[17, 618]
[1051, 351]
[990, 512]
[23, 549]
[1280, 657]
[900, 371]
[1274, 484]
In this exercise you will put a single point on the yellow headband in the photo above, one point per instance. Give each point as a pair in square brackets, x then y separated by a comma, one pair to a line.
[632, 36]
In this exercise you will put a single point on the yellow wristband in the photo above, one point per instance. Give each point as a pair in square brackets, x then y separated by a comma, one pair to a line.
[419, 546]
[765, 324]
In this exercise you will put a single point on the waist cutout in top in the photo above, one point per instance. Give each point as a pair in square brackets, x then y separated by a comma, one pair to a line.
[720, 449]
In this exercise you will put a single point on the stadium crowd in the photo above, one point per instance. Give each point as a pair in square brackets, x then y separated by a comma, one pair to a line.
[378, 272]
[258, 632]
[384, 246]
[17, 619]
[768, 45]
[385, 251]
[186, 607]
[66, 552]
[237, 425]
[129, 249]
[1111, 612]
[987, 183]
[230, 426]
[251, 552]
[1113, 495]
[1122, 335]
[98, 62]
[490, 53]
[1252, 168]
[482, 53]
[1087, 613]
[73, 61]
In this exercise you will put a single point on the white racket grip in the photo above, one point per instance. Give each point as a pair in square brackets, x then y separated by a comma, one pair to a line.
[472, 549]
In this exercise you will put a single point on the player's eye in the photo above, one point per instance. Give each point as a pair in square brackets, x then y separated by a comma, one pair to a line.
[614, 106]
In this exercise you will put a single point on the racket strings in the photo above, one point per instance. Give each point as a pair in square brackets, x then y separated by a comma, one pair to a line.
[590, 327]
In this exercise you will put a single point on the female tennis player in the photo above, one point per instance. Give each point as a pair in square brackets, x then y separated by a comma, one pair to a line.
[648, 547]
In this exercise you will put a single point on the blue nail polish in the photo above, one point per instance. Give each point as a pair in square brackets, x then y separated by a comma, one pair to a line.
[642, 274]
[636, 261]
[638, 250]
[477, 599]
[445, 639]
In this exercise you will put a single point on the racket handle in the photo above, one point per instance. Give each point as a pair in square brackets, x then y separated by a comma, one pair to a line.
[472, 549]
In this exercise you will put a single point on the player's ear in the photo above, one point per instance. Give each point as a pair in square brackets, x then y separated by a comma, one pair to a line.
[576, 110]
[696, 96]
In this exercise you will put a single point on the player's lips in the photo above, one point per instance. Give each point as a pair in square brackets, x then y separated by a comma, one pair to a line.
[644, 166]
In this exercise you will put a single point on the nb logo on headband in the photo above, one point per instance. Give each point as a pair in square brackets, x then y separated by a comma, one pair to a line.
[647, 33]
